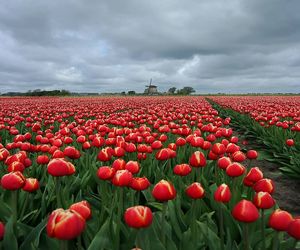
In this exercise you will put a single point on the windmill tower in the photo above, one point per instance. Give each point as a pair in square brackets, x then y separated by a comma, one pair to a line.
[151, 89]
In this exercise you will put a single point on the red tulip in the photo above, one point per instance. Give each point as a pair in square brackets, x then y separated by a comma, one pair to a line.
[104, 155]
[218, 148]
[139, 183]
[60, 167]
[197, 159]
[16, 166]
[163, 154]
[42, 159]
[118, 164]
[65, 224]
[138, 216]
[245, 211]
[72, 152]
[156, 145]
[122, 178]
[263, 200]
[265, 185]
[294, 229]
[253, 176]
[31, 185]
[252, 154]
[164, 191]
[119, 152]
[224, 162]
[2, 230]
[105, 173]
[195, 191]
[280, 220]
[13, 181]
[83, 208]
[235, 169]
[238, 156]
[4, 153]
[222, 194]
[182, 169]
[290, 142]
[133, 167]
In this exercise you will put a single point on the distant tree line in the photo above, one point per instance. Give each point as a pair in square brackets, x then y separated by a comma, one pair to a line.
[183, 91]
[38, 92]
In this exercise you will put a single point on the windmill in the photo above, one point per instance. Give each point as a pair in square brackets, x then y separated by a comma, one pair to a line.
[151, 89]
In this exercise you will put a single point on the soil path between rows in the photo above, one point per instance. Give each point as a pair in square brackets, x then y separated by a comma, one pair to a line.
[287, 190]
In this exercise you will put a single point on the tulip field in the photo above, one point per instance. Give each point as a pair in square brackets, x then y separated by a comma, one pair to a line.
[151, 173]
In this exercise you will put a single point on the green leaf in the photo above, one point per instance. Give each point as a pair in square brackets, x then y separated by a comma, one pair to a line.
[10, 241]
[102, 239]
[33, 237]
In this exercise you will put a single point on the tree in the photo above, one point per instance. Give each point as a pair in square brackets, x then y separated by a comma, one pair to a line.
[172, 90]
[185, 91]
[131, 92]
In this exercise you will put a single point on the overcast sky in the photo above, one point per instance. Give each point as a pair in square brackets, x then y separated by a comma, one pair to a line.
[114, 46]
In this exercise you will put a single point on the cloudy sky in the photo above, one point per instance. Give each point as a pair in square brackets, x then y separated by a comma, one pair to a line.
[113, 46]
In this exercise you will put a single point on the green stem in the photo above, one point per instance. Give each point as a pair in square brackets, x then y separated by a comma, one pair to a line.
[163, 222]
[63, 245]
[246, 236]
[120, 210]
[24, 205]
[263, 229]
[14, 205]
[57, 189]
[221, 225]
[276, 245]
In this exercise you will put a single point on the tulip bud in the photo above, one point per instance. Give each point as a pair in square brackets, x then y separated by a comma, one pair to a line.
[122, 178]
[2, 230]
[294, 229]
[280, 220]
[138, 216]
[60, 167]
[238, 156]
[231, 148]
[13, 180]
[252, 154]
[133, 167]
[290, 142]
[16, 166]
[195, 191]
[72, 152]
[218, 148]
[222, 194]
[253, 176]
[139, 183]
[245, 211]
[265, 185]
[42, 159]
[235, 169]
[83, 208]
[105, 173]
[197, 159]
[224, 162]
[119, 152]
[163, 154]
[65, 224]
[31, 185]
[119, 164]
[4, 153]
[104, 155]
[263, 200]
[164, 191]
[156, 145]
[182, 169]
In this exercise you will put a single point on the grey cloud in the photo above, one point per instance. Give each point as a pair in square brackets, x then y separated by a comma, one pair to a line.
[106, 46]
